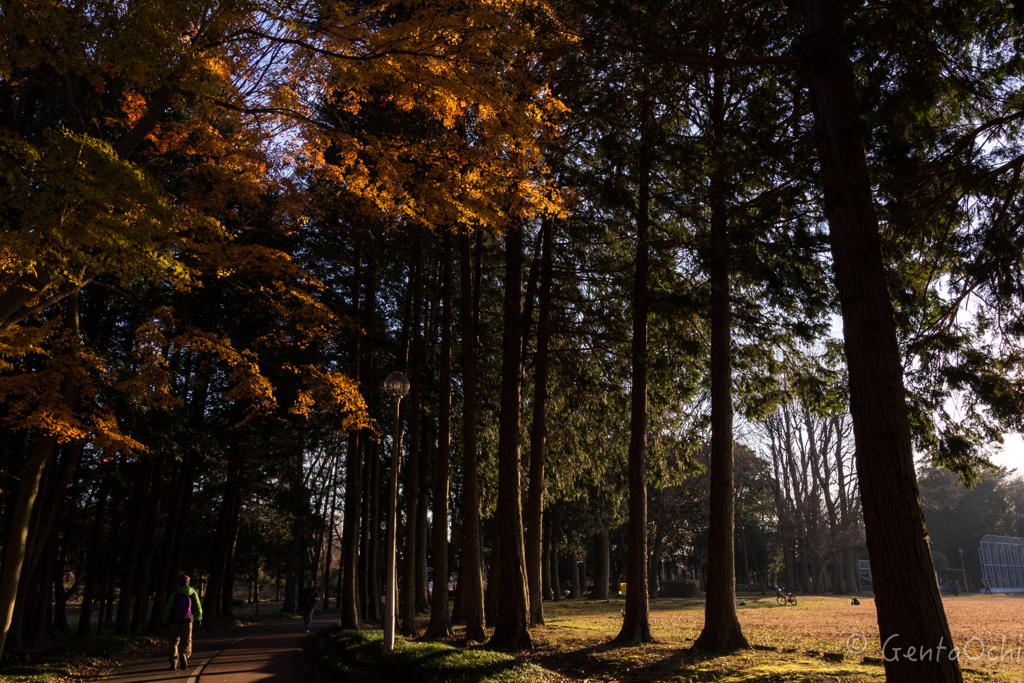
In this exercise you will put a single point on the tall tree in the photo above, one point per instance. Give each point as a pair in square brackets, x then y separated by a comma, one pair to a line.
[635, 623]
[512, 620]
[909, 605]
[722, 629]
[538, 434]
[440, 625]
[470, 576]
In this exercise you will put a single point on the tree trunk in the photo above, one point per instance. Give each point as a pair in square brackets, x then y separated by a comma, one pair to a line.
[235, 469]
[722, 630]
[574, 578]
[350, 535]
[493, 574]
[556, 584]
[23, 507]
[440, 625]
[512, 618]
[373, 583]
[538, 435]
[636, 626]
[129, 569]
[470, 578]
[93, 585]
[348, 591]
[17, 540]
[175, 536]
[546, 563]
[602, 565]
[412, 476]
[910, 609]
[143, 589]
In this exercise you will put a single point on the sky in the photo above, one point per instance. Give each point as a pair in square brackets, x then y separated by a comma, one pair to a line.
[1012, 454]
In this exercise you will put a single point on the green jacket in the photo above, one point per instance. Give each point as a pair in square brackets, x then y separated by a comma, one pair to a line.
[197, 609]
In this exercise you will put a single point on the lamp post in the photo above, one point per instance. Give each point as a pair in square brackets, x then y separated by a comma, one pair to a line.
[963, 568]
[396, 386]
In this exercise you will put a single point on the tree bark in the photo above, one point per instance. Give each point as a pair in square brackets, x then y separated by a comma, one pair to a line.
[440, 625]
[470, 578]
[350, 535]
[722, 630]
[602, 565]
[574, 578]
[546, 593]
[142, 590]
[556, 584]
[176, 527]
[16, 546]
[910, 609]
[412, 476]
[636, 626]
[512, 618]
[538, 435]
[348, 591]
[93, 585]
[493, 574]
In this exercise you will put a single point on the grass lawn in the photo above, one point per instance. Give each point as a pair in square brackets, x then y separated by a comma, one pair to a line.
[791, 643]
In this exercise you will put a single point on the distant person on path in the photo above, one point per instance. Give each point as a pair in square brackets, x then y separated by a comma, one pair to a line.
[182, 607]
[988, 587]
[309, 598]
[956, 588]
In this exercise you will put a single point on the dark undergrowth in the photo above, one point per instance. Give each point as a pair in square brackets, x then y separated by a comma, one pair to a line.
[356, 657]
[70, 657]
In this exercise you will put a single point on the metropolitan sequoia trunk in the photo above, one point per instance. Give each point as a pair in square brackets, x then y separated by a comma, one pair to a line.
[470, 576]
[721, 626]
[538, 435]
[512, 618]
[440, 622]
[636, 627]
[910, 612]
[412, 472]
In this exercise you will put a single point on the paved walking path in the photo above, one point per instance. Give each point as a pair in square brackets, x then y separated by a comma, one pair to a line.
[249, 654]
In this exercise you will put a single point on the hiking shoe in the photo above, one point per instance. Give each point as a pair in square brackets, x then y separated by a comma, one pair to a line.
[184, 661]
[174, 665]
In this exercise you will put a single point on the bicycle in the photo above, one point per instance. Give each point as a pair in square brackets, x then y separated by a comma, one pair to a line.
[784, 598]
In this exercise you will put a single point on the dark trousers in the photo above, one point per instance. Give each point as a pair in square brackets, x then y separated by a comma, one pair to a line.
[307, 617]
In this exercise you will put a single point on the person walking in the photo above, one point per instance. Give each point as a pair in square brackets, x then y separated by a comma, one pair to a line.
[988, 587]
[309, 598]
[182, 607]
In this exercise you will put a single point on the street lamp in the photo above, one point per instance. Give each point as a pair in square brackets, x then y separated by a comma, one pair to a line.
[963, 569]
[396, 386]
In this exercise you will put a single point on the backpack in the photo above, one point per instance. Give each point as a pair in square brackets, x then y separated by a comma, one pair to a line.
[181, 611]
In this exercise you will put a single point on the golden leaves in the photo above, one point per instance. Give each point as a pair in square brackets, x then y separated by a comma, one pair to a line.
[334, 397]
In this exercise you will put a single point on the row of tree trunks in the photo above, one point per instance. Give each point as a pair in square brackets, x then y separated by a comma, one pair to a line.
[24, 509]
[144, 587]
